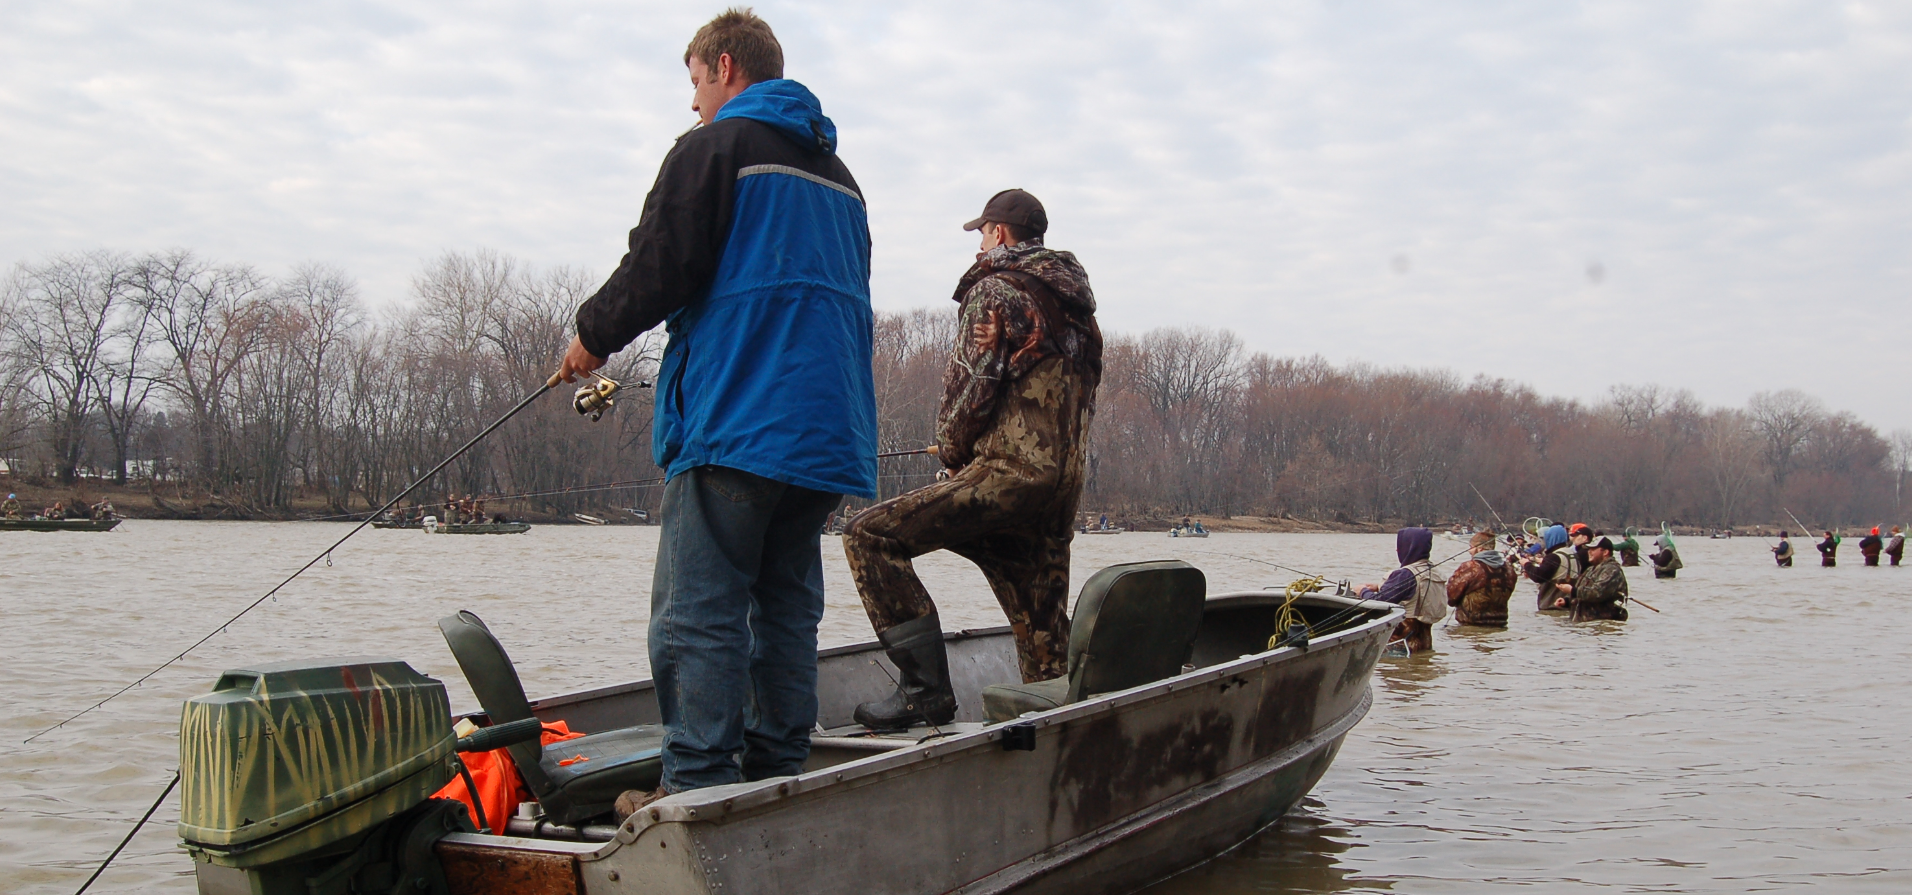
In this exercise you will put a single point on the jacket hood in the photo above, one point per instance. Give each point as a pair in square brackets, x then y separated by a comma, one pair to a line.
[1554, 537]
[787, 106]
[1413, 544]
[1492, 559]
[1060, 271]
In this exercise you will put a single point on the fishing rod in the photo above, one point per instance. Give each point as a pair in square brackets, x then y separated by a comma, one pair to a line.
[574, 489]
[1803, 530]
[1490, 507]
[585, 489]
[592, 400]
[129, 835]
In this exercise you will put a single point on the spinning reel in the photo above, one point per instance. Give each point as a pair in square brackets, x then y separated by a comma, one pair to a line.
[595, 398]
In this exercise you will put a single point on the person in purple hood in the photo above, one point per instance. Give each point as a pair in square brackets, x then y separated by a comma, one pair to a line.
[1416, 587]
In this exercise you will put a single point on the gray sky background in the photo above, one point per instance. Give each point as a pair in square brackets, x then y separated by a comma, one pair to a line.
[1406, 184]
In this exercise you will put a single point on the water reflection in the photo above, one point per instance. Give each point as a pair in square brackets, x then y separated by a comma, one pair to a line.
[1299, 853]
[1409, 676]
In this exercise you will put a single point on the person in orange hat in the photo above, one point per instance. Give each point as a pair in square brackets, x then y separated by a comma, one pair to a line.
[1870, 545]
[1580, 534]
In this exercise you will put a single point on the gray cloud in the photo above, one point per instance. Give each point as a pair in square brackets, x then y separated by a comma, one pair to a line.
[1738, 171]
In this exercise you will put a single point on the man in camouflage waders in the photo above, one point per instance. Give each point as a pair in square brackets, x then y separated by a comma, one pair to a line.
[1017, 400]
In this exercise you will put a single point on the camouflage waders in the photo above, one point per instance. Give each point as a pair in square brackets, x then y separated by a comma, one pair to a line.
[1018, 397]
[1011, 518]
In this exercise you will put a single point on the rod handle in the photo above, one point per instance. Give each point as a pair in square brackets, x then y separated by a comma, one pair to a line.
[498, 736]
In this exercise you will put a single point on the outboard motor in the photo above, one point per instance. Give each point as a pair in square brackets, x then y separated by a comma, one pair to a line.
[315, 777]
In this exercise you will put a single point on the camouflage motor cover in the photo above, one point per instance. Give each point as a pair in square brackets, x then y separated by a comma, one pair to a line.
[324, 747]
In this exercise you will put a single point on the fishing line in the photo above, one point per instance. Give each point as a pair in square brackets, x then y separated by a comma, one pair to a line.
[129, 836]
[550, 384]
[604, 486]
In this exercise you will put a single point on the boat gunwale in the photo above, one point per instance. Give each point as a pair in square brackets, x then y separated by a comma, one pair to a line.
[720, 804]
[1192, 798]
[1243, 597]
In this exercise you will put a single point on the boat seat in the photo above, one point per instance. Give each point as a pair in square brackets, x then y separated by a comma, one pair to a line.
[1135, 624]
[615, 760]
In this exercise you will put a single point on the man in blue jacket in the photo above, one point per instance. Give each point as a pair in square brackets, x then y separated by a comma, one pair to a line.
[755, 250]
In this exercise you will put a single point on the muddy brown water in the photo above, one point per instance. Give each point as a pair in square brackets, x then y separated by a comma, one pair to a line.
[1751, 737]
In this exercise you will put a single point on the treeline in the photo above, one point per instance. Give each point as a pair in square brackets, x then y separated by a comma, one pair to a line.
[218, 384]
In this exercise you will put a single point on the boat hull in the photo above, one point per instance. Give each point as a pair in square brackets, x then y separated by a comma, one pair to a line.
[1117, 792]
[481, 528]
[58, 524]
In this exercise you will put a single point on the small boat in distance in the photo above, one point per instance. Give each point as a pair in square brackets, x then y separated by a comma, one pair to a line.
[588, 519]
[431, 525]
[38, 523]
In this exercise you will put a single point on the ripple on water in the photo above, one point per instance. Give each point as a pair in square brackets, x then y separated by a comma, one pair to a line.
[1749, 737]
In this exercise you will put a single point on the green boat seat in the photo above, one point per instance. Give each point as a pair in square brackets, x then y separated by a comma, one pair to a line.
[1134, 624]
[615, 760]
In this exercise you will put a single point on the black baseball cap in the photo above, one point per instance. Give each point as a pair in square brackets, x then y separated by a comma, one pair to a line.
[1015, 207]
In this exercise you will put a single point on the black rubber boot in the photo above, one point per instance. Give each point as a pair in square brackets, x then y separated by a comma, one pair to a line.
[923, 695]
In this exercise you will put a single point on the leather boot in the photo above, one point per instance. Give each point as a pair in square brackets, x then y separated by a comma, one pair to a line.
[923, 694]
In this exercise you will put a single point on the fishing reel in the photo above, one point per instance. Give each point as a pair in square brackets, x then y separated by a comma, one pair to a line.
[595, 398]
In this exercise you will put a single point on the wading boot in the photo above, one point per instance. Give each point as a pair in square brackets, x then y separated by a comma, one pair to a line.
[923, 695]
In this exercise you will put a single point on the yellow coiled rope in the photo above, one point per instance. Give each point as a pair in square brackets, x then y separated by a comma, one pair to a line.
[1288, 616]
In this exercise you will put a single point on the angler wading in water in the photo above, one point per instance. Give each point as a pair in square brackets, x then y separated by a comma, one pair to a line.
[754, 248]
[1829, 550]
[1018, 397]
[1417, 588]
[1557, 565]
[1628, 550]
[1895, 545]
[1783, 552]
[1666, 557]
[1481, 586]
[1600, 591]
[1869, 547]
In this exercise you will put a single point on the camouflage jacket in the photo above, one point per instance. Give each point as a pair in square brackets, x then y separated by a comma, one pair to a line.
[1602, 582]
[1028, 358]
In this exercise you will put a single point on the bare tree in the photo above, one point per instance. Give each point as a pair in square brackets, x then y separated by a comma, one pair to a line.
[209, 319]
[1784, 419]
[1901, 442]
[1732, 452]
[62, 324]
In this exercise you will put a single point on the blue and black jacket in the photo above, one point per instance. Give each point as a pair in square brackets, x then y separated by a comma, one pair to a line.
[754, 246]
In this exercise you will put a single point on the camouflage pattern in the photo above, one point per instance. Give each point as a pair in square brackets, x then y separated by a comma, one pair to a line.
[1600, 592]
[281, 760]
[1020, 306]
[1479, 593]
[1018, 398]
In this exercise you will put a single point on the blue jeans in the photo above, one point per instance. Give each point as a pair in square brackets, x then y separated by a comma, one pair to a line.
[735, 604]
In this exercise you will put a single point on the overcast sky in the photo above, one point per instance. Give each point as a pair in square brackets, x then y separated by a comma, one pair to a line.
[1715, 196]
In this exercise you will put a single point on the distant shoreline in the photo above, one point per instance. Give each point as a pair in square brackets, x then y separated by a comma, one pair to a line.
[138, 502]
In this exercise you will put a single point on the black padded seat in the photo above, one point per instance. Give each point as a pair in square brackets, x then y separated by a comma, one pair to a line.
[1134, 624]
[615, 760]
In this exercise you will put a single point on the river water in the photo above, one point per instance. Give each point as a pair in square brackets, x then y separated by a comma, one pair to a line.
[1750, 737]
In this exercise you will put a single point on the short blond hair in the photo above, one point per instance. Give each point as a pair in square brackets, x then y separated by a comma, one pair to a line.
[753, 47]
